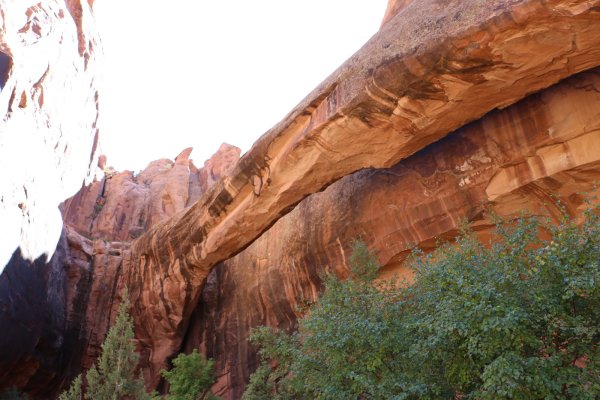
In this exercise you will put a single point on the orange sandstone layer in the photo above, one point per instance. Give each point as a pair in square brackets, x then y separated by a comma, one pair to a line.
[432, 68]
[509, 161]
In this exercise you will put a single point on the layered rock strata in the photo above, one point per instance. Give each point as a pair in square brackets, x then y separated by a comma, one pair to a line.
[48, 117]
[434, 67]
[508, 161]
[513, 160]
[431, 69]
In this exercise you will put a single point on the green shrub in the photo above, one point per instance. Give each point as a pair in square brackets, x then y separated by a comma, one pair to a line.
[113, 377]
[517, 319]
[191, 377]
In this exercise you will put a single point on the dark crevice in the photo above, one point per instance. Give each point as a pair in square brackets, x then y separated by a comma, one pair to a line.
[5, 66]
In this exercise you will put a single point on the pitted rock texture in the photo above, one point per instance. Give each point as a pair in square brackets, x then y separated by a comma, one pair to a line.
[432, 68]
[509, 161]
[393, 8]
[48, 117]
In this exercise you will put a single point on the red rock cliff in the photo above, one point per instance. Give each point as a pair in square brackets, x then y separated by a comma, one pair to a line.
[55, 315]
[400, 126]
[432, 68]
[509, 161]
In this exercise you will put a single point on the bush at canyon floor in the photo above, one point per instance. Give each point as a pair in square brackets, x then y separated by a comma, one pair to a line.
[191, 377]
[114, 377]
[517, 318]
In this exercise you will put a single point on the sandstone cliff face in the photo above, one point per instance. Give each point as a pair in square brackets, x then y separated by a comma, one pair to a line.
[48, 117]
[103, 219]
[509, 161]
[432, 68]
[43, 318]
[122, 206]
[56, 315]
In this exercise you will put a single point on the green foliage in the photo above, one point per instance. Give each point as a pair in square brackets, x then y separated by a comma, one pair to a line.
[518, 319]
[74, 392]
[348, 346]
[113, 378]
[12, 394]
[191, 377]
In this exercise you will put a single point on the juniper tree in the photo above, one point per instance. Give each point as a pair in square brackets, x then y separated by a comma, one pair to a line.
[114, 376]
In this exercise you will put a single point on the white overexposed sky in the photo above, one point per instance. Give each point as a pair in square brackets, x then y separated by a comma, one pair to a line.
[197, 73]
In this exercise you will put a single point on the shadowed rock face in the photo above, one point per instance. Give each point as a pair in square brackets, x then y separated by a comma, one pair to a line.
[508, 161]
[5, 64]
[41, 321]
[432, 68]
[48, 118]
[55, 316]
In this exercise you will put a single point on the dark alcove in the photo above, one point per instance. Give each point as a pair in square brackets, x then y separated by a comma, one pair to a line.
[5, 64]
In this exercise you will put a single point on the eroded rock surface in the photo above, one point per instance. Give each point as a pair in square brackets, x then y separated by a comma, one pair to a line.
[432, 68]
[56, 315]
[48, 117]
[509, 161]
[124, 205]
[42, 320]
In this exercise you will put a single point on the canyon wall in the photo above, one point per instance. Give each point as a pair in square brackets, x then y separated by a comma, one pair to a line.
[55, 315]
[509, 161]
[432, 68]
[49, 52]
[408, 130]
[122, 206]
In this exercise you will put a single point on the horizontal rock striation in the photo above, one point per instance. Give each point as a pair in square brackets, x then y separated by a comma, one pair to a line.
[513, 160]
[432, 68]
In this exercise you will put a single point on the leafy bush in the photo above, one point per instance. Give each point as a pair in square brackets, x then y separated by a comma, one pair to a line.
[191, 377]
[518, 319]
[74, 391]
